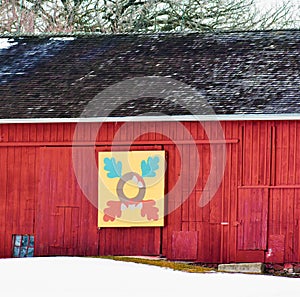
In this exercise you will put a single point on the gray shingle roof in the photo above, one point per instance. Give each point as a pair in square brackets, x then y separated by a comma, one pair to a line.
[237, 73]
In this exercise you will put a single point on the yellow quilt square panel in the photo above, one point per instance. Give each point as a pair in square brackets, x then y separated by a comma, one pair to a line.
[131, 189]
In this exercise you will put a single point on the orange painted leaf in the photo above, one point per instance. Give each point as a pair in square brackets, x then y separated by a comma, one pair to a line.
[149, 210]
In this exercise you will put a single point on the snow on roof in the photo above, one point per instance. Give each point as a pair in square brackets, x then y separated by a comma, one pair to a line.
[6, 43]
[63, 38]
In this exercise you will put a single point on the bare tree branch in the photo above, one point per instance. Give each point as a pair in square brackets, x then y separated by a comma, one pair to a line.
[114, 16]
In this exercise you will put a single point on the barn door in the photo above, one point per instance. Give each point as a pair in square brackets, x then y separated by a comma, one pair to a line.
[64, 238]
[58, 213]
[252, 224]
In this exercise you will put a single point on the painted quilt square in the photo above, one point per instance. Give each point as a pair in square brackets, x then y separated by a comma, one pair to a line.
[131, 189]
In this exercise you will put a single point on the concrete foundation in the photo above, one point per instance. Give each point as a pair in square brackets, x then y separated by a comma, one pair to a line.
[242, 267]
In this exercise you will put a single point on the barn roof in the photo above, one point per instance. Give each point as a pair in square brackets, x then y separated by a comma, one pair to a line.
[238, 74]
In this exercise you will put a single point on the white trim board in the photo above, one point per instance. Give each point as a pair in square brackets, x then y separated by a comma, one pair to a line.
[165, 118]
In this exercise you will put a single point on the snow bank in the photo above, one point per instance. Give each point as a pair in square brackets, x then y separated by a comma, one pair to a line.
[74, 276]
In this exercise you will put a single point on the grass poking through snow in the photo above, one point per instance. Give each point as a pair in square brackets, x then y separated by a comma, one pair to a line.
[181, 266]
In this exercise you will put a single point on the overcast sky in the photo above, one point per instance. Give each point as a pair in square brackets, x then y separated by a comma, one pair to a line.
[270, 3]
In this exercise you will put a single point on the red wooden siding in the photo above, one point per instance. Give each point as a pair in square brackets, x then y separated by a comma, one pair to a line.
[17, 192]
[184, 245]
[252, 219]
[65, 220]
[254, 215]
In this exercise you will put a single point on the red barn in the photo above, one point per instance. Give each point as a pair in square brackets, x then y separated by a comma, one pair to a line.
[223, 107]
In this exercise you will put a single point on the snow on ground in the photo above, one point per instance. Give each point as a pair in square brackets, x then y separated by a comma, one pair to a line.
[73, 276]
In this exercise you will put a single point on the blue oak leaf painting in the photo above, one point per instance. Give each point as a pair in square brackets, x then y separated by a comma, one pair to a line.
[113, 168]
[149, 167]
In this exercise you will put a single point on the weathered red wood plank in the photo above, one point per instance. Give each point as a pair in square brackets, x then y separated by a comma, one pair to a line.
[25, 131]
[3, 201]
[233, 198]
[184, 245]
[252, 216]
[250, 256]
[297, 148]
[275, 252]
[54, 132]
[24, 170]
[14, 188]
[215, 242]
[46, 132]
